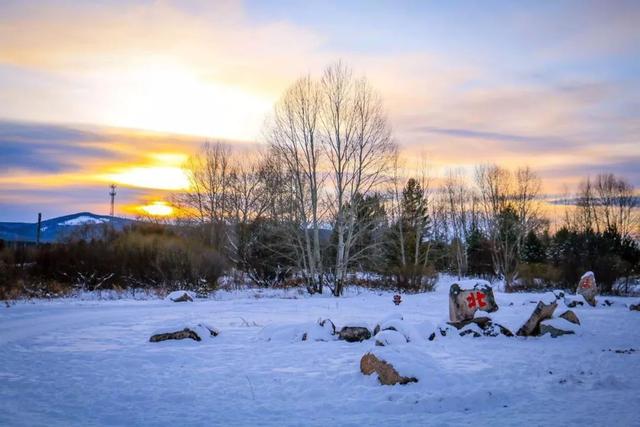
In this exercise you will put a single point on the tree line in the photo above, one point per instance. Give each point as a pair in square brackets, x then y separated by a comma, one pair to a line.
[328, 203]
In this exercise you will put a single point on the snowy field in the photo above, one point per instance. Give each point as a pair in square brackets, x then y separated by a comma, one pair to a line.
[76, 362]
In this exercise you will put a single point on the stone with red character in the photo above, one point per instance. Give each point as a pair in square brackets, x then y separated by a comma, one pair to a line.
[588, 288]
[463, 303]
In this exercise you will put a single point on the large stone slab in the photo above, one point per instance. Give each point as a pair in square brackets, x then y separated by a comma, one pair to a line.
[532, 326]
[588, 288]
[463, 303]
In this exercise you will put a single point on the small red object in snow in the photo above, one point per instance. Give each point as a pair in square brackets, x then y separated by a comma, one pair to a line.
[397, 299]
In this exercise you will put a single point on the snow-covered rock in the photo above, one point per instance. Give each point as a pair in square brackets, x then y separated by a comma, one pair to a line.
[532, 326]
[196, 332]
[390, 317]
[181, 296]
[588, 288]
[570, 316]
[322, 330]
[464, 303]
[398, 365]
[389, 337]
[556, 327]
[409, 331]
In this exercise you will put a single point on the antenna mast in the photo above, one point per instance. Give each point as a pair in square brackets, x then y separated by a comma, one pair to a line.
[112, 193]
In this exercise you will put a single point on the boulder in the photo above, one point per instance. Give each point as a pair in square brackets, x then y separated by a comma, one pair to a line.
[634, 307]
[440, 331]
[532, 326]
[389, 337]
[387, 374]
[196, 333]
[570, 316]
[588, 288]
[181, 296]
[410, 332]
[354, 333]
[463, 303]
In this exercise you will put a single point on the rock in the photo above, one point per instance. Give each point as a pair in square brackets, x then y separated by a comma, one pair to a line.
[387, 374]
[570, 316]
[324, 330]
[587, 288]
[354, 333]
[463, 303]
[634, 307]
[389, 337]
[410, 333]
[181, 296]
[572, 303]
[386, 320]
[196, 333]
[488, 327]
[441, 330]
[532, 326]
[607, 303]
[553, 331]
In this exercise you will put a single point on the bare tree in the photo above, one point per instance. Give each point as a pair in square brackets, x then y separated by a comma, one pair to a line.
[616, 203]
[456, 199]
[332, 128]
[293, 139]
[207, 202]
[359, 149]
[509, 212]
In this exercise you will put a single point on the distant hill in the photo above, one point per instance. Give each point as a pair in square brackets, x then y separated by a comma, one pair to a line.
[56, 229]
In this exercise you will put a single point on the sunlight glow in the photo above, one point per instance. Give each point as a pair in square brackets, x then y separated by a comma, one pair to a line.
[158, 208]
[169, 97]
[156, 177]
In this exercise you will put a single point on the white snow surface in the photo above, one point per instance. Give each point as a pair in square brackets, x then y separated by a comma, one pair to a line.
[89, 362]
[84, 219]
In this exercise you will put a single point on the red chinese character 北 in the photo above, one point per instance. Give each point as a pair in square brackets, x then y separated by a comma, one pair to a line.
[476, 299]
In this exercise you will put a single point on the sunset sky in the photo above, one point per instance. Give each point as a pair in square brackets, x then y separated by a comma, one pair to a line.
[123, 91]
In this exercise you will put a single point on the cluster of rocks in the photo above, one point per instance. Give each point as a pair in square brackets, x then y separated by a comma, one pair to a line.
[392, 331]
[539, 323]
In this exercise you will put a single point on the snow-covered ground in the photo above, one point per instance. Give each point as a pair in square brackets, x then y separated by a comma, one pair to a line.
[88, 362]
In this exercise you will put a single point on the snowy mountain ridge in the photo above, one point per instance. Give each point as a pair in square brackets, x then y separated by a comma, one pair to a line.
[56, 229]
